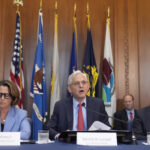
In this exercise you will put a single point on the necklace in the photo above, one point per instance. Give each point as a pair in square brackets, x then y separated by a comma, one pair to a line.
[3, 120]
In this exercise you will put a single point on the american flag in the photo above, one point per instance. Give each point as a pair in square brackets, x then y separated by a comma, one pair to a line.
[16, 70]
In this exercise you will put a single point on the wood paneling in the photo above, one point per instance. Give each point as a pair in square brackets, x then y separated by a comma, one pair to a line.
[130, 36]
[126, 59]
[144, 51]
[1, 39]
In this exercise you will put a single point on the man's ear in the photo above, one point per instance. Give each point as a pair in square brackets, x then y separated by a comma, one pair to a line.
[88, 86]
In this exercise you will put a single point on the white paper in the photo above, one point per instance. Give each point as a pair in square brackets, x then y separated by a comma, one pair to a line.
[97, 125]
[9, 138]
[96, 139]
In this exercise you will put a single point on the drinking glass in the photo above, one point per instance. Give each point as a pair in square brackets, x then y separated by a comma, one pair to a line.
[148, 138]
[43, 136]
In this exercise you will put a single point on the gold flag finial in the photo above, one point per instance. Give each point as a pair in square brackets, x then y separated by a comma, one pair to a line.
[108, 11]
[87, 8]
[18, 3]
[75, 9]
[56, 5]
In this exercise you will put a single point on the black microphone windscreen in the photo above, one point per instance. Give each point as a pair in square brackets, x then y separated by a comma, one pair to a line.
[83, 104]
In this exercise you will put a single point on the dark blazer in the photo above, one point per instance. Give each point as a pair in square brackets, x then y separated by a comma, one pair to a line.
[122, 115]
[62, 117]
[144, 114]
[141, 125]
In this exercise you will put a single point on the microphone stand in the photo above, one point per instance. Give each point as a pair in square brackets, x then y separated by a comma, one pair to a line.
[134, 141]
[133, 137]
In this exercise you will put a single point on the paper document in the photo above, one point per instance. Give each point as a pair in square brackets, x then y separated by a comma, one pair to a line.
[97, 125]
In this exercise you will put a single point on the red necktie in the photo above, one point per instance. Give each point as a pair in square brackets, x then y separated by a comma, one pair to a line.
[131, 115]
[80, 119]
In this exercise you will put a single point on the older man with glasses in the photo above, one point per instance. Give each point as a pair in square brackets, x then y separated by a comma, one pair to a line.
[78, 112]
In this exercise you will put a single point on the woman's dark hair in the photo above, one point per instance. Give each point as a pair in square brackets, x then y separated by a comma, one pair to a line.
[13, 91]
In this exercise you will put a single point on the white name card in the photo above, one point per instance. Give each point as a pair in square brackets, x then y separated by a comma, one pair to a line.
[9, 138]
[97, 139]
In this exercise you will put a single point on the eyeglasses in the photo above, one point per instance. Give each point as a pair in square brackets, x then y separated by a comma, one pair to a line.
[6, 95]
[80, 83]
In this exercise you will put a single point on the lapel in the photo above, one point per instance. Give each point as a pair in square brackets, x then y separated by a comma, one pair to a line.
[89, 114]
[10, 120]
[0, 124]
[125, 116]
[135, 114]
[69, 110]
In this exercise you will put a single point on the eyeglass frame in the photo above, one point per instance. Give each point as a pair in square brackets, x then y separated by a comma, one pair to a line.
[6, 95]
[78, 83]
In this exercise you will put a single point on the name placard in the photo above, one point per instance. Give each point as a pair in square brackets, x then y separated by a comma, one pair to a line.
[9, 138]
[97, 139]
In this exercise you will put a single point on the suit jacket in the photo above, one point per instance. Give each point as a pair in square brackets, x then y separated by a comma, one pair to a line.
[62, 118]
[122, 115]
[141, 125]
[17, 121]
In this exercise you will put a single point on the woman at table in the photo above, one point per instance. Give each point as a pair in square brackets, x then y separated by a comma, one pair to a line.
[12, 119]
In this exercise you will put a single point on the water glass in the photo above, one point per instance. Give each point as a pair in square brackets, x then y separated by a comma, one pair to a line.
[43, 136]
[148, 138]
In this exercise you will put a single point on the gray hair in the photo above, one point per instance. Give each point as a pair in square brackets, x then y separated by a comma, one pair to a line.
[73, 75]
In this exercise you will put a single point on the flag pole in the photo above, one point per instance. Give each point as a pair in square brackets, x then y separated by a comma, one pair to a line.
[75, 28]
[88, 16]
[56, 14]
[87, 8]
[19, 3]
[75, 9]
[108, 17]
[56, 7]
[41, 5]
[108, 12]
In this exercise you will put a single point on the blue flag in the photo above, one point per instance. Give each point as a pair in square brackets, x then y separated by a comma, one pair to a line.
[38, 84]
[89, 66]
[73, 61]
[73, 64]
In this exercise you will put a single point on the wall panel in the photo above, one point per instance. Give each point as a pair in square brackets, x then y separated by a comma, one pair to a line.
[144, 51]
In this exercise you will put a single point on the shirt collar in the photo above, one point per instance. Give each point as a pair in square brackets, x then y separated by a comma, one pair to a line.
[75, 102]
[128, 111]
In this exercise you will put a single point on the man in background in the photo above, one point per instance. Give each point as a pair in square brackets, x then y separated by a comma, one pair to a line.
[78, 112]
[127, 114]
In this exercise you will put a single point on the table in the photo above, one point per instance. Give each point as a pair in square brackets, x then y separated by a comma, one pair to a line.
[68, 146]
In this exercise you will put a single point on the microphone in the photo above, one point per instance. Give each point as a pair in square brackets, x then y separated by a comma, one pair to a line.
[133, 137]
[104, 115]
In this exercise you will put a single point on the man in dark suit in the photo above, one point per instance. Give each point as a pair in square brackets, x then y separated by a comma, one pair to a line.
[141, 125]
[70, 113]
[127, 114]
